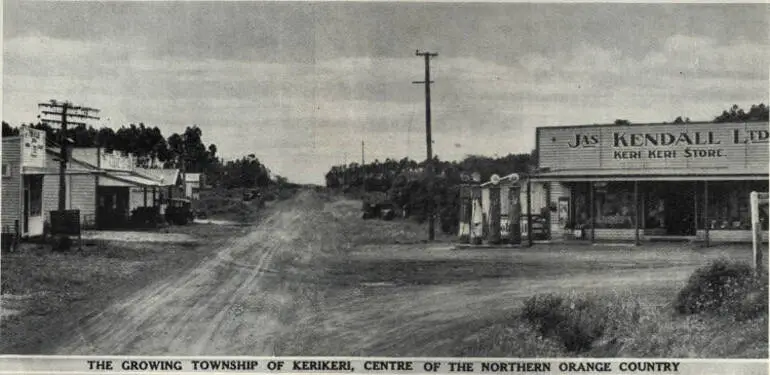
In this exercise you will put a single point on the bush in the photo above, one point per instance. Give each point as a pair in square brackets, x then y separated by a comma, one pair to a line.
[576, 322]
[723, 286]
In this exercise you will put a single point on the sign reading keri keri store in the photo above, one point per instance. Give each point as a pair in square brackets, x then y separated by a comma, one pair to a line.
[701, 145]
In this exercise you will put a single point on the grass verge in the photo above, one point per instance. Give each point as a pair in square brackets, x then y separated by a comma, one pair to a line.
[53, 293]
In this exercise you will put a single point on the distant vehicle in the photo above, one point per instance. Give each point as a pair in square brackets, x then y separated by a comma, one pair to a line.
[251, 195]
[387, 211]
[382, 210]
[179, 211]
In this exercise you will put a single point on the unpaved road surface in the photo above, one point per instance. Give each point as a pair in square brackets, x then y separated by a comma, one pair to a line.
[220, 307]
[301, 283]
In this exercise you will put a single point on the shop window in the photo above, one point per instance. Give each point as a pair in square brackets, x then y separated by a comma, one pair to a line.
[615, 207]
[655, 211]
[613, 202]
[729, 205]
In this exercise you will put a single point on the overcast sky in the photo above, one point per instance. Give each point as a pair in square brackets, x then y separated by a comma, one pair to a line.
[302, 84]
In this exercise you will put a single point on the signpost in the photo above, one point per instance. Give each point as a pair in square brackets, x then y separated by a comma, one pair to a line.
[756, 200]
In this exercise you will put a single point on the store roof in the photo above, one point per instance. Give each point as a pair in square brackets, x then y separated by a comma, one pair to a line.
[126, 179]
[649, 174]
[167, 177]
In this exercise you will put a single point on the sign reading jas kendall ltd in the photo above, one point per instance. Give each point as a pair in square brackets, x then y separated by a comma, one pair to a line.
[702, 145]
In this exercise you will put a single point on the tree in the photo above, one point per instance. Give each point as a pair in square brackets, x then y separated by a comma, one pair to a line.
[736, 114]
[9, 131]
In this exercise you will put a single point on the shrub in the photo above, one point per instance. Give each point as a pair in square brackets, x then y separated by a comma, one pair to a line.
[576, 322]
[724, 286]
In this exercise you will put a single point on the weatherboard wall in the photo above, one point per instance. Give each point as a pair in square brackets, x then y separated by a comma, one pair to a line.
[10, 207]
[80, 190]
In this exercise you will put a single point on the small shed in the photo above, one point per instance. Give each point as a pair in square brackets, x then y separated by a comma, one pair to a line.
[193, 182]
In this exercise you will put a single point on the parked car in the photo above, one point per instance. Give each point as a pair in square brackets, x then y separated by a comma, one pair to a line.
[383, 210]
[387, 211]
[179, 211]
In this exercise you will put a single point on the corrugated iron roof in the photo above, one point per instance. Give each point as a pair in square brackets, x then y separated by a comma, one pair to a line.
[125, 179]
[167, 177]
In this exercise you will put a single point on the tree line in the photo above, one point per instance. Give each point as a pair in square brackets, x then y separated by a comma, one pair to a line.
[152, 149]
[404, 182]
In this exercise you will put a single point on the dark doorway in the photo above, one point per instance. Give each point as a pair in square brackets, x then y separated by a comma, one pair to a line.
[112, 210]
[25, 216]
[679, 203]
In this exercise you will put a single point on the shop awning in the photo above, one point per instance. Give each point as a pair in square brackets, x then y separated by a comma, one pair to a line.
[55, 171]
[647, 175]
[126, 180]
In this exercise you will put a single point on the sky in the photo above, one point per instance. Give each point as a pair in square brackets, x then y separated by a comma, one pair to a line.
[302, 84]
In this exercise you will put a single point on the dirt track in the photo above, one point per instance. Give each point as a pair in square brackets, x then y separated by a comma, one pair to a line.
[296, 286]
[220, 307]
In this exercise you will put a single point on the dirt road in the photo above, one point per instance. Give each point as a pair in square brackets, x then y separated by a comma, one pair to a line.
[303, 282]
[220, 307]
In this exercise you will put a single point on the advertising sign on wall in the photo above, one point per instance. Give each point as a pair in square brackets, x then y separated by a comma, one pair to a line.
[32, 147]
[737, 147]
[116, 162]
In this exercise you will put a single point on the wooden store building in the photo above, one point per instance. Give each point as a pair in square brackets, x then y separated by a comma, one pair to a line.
[99, 185]
[653, 181]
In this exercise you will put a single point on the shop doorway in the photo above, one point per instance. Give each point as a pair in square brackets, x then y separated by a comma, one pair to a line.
[113, 207]
[32, 206]
[679, 201]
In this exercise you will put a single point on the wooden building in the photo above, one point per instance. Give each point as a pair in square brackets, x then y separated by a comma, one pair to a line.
[121, 187]
[649, 181]
[193, 183]
[30, 184]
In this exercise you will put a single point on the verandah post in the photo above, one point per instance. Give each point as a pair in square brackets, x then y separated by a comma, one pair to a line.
[706, 210]
[592, 204]
[529, 212]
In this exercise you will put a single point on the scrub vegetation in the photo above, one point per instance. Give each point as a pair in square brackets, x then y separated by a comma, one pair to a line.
[723, 296]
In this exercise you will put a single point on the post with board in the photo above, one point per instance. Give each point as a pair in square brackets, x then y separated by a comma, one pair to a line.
[757, 201]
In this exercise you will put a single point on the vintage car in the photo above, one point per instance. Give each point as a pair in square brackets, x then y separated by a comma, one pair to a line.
[381, 210]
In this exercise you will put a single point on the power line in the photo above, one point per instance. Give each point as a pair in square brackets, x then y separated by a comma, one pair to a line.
[64, 111]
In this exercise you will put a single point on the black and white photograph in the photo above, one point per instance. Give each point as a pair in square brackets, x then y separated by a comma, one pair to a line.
[385, 180]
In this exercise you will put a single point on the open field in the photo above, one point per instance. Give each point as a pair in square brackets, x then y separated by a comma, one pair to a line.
[312, 278]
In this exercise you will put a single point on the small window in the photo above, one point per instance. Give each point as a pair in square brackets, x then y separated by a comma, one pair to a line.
[6, 170]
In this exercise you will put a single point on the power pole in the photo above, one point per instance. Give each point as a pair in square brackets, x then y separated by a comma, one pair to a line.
[64, 110]
[362, 153]
[428, 140]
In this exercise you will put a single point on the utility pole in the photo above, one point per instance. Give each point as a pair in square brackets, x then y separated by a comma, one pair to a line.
[362, 153]
[64, 110]
[428, 140]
